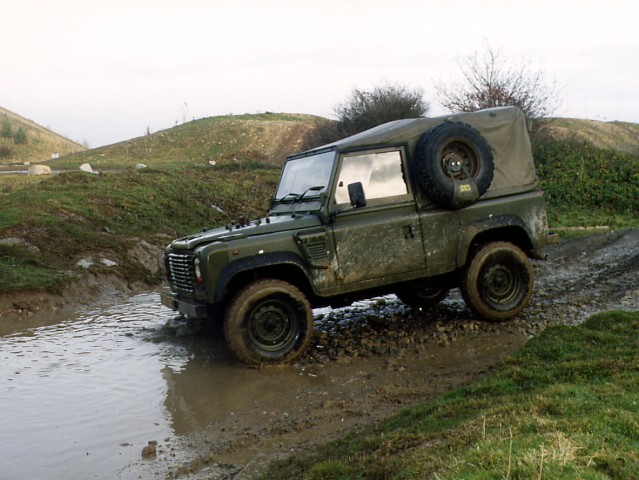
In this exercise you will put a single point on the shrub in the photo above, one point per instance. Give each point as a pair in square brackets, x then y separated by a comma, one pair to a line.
[5, 152]
[20, 138]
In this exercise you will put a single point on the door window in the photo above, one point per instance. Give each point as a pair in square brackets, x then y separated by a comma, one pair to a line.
[380, 173]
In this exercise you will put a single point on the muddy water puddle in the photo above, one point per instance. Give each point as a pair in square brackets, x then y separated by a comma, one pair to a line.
[82, 397]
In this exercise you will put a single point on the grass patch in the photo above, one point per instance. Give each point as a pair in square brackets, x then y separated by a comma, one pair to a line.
[73, 214]
[587, 186]
[566, 406]
[22, 270]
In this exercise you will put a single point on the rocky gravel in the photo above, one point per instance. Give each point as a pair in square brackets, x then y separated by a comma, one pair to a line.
[581, 277]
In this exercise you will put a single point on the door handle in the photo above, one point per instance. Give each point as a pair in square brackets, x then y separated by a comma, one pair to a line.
[408, 232]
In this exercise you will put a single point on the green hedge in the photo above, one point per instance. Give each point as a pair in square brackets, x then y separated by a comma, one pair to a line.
[585, 184]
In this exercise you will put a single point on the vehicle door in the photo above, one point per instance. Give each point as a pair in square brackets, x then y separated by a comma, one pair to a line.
[383, 238]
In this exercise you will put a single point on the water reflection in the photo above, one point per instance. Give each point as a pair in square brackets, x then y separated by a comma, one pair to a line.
[76, 396]
[200, 394]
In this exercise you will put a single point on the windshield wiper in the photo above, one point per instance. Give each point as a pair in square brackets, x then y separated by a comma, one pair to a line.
[297, 197]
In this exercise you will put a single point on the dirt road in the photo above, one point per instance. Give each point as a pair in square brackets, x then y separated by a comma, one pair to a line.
[374, 358]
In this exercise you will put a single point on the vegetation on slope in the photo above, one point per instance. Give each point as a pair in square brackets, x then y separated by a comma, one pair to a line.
[267, 137]
[564, 407]
[22, 140]
[50, 223]
[208, 172]
[585, 185]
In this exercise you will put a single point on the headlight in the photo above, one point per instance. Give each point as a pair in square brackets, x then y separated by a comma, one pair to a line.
[198, 271]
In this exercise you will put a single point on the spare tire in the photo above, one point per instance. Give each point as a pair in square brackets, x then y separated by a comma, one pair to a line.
[449, 154]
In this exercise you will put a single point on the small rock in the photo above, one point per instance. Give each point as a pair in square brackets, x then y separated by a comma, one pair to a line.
[151, 450]
[39, 170]
[84, 263]
[108, 263]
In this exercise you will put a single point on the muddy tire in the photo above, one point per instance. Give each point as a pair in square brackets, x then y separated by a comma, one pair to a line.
[498, 281]
[422, 296]
[452, 150]
[269, 321]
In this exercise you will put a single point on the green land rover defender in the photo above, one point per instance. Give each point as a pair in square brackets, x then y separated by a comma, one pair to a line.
[412, 207]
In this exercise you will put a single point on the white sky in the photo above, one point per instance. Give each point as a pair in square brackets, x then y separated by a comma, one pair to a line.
[102, 71]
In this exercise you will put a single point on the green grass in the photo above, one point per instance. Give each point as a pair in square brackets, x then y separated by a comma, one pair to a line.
[565, 407]
[588, 186]
[21, 270]
[225, 139]
[71, 215]
[74, 214]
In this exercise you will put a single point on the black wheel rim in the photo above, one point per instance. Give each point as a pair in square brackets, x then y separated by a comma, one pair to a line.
[273, 326]
[501, 285]
[459, 160]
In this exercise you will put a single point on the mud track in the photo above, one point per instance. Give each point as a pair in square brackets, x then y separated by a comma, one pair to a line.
[374, 358]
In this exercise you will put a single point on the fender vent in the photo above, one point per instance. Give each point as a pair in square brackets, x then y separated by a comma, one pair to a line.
[314, 246]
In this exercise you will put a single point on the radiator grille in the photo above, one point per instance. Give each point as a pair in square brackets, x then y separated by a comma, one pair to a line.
[182, 271]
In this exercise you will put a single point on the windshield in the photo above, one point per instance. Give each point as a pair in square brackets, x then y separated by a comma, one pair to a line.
[305, 177]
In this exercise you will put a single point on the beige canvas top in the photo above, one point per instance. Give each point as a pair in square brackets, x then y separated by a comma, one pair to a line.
[504, 128]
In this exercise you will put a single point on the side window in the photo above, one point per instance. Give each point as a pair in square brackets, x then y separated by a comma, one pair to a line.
[380, 173]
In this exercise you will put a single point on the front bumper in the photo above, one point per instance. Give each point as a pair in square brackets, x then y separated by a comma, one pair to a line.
[189, 309]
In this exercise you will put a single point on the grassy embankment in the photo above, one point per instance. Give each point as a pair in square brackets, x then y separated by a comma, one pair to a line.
[565, 407]
[587, 186]
[60, 219]
[39, 143]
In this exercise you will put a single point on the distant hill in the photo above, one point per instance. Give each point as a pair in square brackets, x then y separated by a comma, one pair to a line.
[620, 136]
[268, 137]
[39, 143]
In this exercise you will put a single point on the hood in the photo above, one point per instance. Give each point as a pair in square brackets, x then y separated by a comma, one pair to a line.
[263, 226]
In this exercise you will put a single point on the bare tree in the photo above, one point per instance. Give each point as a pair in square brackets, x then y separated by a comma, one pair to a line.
[491, 82]
[367, 109]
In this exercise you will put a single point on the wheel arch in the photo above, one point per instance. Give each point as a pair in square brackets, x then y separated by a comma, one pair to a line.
[284, 266]
[508, 228]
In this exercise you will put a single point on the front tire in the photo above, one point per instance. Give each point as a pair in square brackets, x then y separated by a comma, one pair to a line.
[269, 321]
[498, 282]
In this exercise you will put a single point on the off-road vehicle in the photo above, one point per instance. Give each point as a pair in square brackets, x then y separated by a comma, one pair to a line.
[412, 207]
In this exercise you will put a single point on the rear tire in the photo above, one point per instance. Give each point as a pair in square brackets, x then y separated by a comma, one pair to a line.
[498, 282]
[269, 321]
[422, 296]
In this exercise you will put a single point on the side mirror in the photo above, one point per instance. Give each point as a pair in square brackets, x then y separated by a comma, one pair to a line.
[356, 194]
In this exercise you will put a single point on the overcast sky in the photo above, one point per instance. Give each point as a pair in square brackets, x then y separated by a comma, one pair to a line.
[100, 71]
